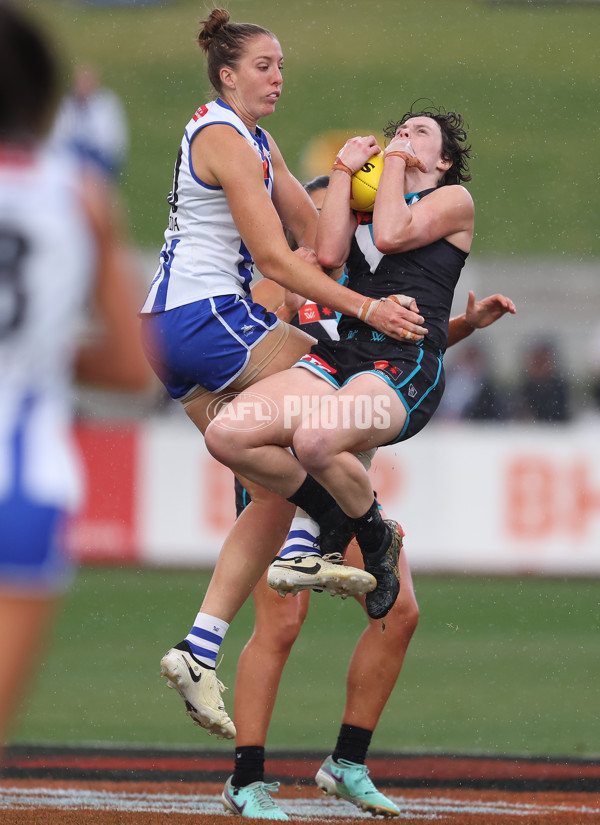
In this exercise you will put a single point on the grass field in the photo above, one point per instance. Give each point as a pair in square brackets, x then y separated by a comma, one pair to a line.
[500, 666]
[523, 74]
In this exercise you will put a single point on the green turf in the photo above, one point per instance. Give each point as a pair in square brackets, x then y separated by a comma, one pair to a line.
[523, 74]
[496, 666]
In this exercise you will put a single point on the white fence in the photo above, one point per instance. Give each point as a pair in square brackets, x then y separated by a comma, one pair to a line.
[472, 498]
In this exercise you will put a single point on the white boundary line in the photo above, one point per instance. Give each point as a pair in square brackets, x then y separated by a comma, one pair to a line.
[19, 798]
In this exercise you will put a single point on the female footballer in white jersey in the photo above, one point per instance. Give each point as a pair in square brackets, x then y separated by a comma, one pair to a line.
[206, 339]
[57, 248]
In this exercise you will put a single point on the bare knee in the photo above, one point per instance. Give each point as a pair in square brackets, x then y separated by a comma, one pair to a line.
[410, 613]
[216, 443]
[286, 633]
[223, 444]
[403, 618]
[279, 634]
[313, 449]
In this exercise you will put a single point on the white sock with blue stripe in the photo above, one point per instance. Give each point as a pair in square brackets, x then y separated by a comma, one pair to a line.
[303, 537]
[302, 540]
[205, 638]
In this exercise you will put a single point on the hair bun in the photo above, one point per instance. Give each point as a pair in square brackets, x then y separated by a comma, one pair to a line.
[216, 20]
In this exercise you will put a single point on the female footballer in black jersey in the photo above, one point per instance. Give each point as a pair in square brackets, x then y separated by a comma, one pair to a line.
[371, 390]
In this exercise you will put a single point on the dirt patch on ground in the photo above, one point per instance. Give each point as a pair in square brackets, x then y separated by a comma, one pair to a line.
[88, 786]
[56, 802]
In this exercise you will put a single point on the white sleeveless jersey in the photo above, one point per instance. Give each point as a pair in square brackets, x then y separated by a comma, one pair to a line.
[203, 254]
[47, 260]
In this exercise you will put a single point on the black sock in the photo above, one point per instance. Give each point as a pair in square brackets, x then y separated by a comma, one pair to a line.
[313, 498]
[352, 744]
[249, 765]
[370, 529]
[336, 528]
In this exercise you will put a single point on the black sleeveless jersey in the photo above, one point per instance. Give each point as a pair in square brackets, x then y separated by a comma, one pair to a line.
[428, 274]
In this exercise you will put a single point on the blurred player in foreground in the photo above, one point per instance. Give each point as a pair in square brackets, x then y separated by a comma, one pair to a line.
[377, 658]
[57, 245]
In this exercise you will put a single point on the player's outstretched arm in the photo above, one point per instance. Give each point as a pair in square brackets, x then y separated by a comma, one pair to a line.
[478, 314]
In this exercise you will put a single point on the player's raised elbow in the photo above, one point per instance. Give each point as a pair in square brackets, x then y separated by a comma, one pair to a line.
[332, 254]
[330, 261]
[386, 242]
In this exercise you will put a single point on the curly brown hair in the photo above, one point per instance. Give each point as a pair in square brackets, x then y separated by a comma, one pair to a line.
[454, 137]
[224, 42]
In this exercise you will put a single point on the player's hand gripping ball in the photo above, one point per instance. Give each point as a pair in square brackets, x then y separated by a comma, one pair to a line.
[364, 183]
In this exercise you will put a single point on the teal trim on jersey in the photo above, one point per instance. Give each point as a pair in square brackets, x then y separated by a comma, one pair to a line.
[410, 198]
[425, 394]
[318, 371]
[397, 387]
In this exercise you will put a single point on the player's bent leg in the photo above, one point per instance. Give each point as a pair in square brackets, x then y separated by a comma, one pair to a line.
[372, 674]
[378, 656]
[276, 627]
[253, 541]
[255, 538]
[277, 624]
